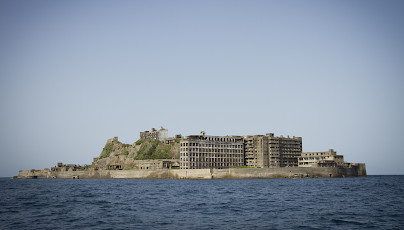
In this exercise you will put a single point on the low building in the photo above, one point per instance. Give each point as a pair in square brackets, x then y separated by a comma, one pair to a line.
[321, 159]
[161, 134]
[156, 164]
[115, 167]
[170, 140]
[66, 167]
[175, 139]
[201, 152]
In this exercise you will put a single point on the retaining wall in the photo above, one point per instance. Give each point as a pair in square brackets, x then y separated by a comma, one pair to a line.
[237, 173]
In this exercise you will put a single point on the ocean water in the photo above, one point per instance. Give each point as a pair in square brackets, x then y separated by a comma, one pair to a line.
[373, 202]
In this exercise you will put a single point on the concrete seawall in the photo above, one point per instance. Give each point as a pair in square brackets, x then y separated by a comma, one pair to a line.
[235, 173]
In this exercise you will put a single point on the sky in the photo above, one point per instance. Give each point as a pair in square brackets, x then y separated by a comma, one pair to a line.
[76, 73]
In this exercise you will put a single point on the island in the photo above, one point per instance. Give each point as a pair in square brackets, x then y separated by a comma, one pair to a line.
[157, 156]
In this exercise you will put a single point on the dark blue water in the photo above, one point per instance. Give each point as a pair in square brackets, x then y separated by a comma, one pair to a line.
[374, 202]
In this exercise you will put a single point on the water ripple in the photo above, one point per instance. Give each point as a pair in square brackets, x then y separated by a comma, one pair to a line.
[348, 203]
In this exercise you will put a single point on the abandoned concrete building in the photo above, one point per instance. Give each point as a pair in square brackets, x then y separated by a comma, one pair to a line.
[284, 151]
[68, 167]
[270, 151]
[321, 159]
[172, 140]
[114, 166]
[146, 165]
[156, 164]
[161, 134]
[205, 152]
[256, 151]
[201, 152]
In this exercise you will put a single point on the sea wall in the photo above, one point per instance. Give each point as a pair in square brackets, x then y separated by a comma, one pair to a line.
[357, 170]
[287, 172]
[34, 174]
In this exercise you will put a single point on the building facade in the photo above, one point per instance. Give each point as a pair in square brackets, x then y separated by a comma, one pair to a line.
[283, 151]
[156, 164]
[256, 151]
[270, 151]
[321, 159]
[161, 134]
[201, 152]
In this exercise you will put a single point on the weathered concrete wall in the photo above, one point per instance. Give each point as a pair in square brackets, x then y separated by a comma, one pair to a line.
[152, 174]
[356, 170]
[191, 173]
[31, 174]
[291, 172]
[362, 170]
[69, 174]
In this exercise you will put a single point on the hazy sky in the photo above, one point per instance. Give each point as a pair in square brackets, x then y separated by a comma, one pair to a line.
[75, 73]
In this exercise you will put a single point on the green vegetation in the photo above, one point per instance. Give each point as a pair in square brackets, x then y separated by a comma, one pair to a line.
[81, 169]
[140, 141]
[153, 149]
[106, 151]
[124, 152]
[149, 149]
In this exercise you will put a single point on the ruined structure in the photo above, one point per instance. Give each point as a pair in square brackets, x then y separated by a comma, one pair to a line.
[256, 151]
[283, 151]
[156, 164]
[68, 167]
[172, 140]
[200, 151]
[322, 159]
[259, 151]
[155, 155]
[161, 134]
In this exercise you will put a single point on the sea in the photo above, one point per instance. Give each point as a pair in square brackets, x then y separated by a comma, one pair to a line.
[373, 202]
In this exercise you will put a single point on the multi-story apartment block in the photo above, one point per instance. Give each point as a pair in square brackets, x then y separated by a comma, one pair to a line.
[256, 151]
[321, 159]
[161, 134]
[284, 151]
[270, 151]
[201, 152]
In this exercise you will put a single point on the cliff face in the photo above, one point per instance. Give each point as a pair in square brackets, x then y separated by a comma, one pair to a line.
[122, 156]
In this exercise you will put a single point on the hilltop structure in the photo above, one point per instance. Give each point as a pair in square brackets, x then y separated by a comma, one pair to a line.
[161, 134]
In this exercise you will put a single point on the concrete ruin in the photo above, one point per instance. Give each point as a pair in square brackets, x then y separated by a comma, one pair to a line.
[155, 155]
[161, 134]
